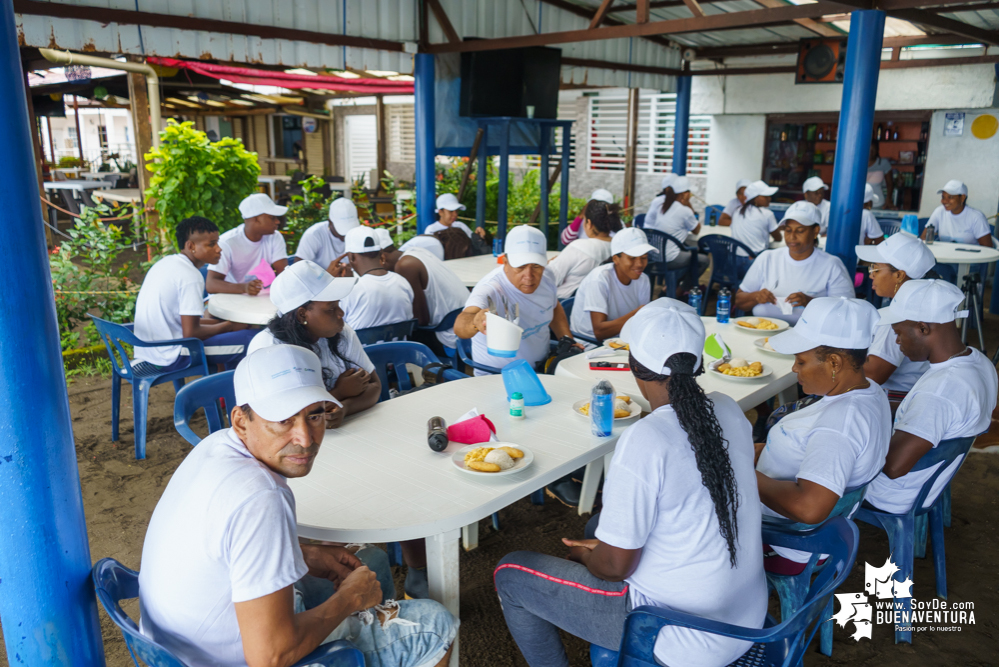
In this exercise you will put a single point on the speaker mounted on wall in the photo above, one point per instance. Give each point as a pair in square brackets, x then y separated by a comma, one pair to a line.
[820, 61]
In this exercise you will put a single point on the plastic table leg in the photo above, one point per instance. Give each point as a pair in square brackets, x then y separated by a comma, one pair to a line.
[443, 575]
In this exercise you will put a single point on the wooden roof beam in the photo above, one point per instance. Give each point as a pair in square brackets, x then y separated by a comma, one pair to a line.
[443, 21]
[961, 28]
[599, 15]
[778, 48]
[584, 13]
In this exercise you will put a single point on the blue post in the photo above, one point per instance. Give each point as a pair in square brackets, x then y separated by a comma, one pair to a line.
[856, 123]
[563, 202]
[681, 129]
[480, 179]
[426, 147]
[543, 144]
[504, 180]
[46, 598]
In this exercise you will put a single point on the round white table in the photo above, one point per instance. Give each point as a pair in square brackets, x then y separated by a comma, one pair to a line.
[472, 269]
[242, 308]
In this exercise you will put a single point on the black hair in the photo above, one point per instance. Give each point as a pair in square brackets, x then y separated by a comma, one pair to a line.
[247, 410]
[605, 217]
[374, 254]
[193, 225]
[697, 418]
[746, 205]
[670, 197]
[287, 329]
[855, 358]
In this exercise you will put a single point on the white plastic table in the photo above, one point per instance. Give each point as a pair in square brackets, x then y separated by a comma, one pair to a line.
[271, 182]
[242, 308]
[964, 255]
[376, 480]
[472, 269]
[120, 195]
[75, 185]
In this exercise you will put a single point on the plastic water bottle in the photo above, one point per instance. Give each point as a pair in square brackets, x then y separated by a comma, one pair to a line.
[497, 247]
[724, 306]
[602, 409]
[694, 298]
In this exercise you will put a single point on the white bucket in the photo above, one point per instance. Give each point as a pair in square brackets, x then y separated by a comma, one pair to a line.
[502, 336]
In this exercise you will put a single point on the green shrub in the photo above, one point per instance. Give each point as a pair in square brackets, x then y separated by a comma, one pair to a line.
[305, 210]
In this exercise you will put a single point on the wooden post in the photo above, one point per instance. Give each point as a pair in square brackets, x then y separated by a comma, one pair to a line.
[631, 148]
[79, 135]
[327, 137]
[382, 143]
[472, 154]
[52, 153]
[37, 147]
[551, 184]
[143, 129]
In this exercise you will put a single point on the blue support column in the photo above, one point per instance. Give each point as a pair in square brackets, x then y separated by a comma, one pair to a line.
[480, 179]
[543, 145]
[853, 143]
[46, 599]
[681, 130]
[563, 202]
[426, 177]
[504, 180]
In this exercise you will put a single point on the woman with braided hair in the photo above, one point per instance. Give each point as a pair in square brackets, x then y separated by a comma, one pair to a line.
[680, 525]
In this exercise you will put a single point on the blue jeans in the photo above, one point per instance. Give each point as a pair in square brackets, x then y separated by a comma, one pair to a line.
[315, 591]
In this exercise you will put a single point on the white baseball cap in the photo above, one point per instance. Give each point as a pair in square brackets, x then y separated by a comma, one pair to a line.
[450, 202]
[526, 245]
[680, 185]
[668, 180]
[343, 215]
[361, 239]
[814, 183]
[259, 203]
[869, 195]
[802, 212]
[903, 251]
[757, 188]
[741, 183]
[839, 322]
[631, 241]
[280, 380]
[602, 195]
[306, 281]
[954, 188]
[934, 301]
[384, 238]
[661, 329]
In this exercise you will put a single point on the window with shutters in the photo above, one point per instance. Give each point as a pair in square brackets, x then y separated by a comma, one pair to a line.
[362, 146]
[401, 133]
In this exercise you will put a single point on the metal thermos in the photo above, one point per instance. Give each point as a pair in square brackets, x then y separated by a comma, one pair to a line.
[931, 234]
[437, 434]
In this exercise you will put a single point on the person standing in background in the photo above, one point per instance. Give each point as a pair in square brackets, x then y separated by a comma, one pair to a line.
[879, 177]
[813, 189]
[577, 229]
[725, 219]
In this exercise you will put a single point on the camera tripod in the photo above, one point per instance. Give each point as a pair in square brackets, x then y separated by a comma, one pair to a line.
[972, 283]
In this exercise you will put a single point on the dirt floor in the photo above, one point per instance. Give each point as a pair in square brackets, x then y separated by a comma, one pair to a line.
[119, 495]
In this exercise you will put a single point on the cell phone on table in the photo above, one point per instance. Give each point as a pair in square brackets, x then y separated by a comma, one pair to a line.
[608, 366]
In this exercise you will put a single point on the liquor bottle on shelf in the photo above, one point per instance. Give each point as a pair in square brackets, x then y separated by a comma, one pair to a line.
[810, 133]
[880, 132]
[894, 134]
[822, 134]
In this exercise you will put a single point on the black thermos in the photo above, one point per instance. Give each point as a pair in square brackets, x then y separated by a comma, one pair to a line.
[437, 434]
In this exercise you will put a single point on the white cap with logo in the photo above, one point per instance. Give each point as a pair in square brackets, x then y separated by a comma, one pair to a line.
[279, 381]
[668, 180]
[661, 329]
[839, 322]
[757, 188]
[450, 202]
[814, 183]
[603, 195]
[954, 187]
[680, 185]
[741, 183]
[306, 281]
[933, 301]
[903, 251]
[526, 245]
[384, 238]
[632, 241]
[361, 239]
[343, 215]
[803, 212]
[258, 204]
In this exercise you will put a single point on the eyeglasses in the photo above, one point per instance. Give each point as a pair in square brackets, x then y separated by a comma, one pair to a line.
[872, 270]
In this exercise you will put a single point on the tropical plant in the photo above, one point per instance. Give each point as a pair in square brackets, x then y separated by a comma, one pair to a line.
[68, 162]
[305, 210]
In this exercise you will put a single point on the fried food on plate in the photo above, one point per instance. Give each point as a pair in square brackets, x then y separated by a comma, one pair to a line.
[477, 454]
[482, 466]
[743, 370]
[759, 323]
[512, 452]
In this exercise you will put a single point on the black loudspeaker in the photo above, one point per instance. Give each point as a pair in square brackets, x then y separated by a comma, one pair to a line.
[821, 61]
[507, 81]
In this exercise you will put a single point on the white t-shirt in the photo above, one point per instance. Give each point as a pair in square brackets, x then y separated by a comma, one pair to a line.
[953, 399]
[678, 221]
[536, 312]
[444, 293]
[457, 224]
[223, 532]
[654, 500]
[906, 371]
[333, 366]
[172, 288]
[603, 292]
[429, 242]
[877, 174]
[319, 245]
[966, 227]
[731, 207]
[753, 228]
[240, 255]
[819, 274]
[870, 228]
[839, 442]
[652, 213]
[378, 300]
[824, 207]
[575, 263]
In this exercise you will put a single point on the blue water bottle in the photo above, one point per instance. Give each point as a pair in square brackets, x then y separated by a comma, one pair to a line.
[497, 247]
[602, 409]
[724, 305]
[694, 299]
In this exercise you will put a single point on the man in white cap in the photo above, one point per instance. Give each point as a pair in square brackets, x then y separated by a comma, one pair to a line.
[323, 243]
[522, 285]
[577, 228]
[725, 219]
[380, 297]
[870, 229]
[427, 242]
[955, 221]
[754, 223]
[224, 579]
[954, 398]
[384, 239]
[246, 246]
[447, 217]
[814, 191]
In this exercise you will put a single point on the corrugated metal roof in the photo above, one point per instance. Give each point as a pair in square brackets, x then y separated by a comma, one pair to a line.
[983, 18]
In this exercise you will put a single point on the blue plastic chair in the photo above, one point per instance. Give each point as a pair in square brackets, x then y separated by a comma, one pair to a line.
[567, 307]
[204, 274]
[204, 394]
[660, 241]
[784, 644]
[399, 353]
[639, 221]
[143, 376]
[890, 225]
[725, 268]
[386, 332]
[445, 325]
[464, 350]
[712, 214]
[901, 528]
[113, 582]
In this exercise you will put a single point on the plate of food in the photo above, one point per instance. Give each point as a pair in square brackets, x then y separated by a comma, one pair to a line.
[764, 344]
[493, 459]
[760, 324]
[616, 344]
[740, 369]
[625, 407]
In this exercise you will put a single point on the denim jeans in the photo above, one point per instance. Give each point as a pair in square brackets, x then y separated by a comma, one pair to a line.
[315, 591]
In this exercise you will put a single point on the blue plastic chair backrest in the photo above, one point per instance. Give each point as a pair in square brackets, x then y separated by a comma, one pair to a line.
[114, 335]
[922, 225]
[845, 506]
[204, 393]
[639, 221]
[567, 306]
[889, 226]
[447, 323]
[660, 240]
[398, 354]
[465, 354]
[946, 452]
[386, 332]
[712, 214]
[724, 269]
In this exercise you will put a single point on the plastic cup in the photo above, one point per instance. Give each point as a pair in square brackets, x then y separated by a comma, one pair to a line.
[502, 336]
[519, 377]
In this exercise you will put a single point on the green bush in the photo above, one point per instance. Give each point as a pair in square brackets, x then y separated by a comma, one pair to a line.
[305, 210]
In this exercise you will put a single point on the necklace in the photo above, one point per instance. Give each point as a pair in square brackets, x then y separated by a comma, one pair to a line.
[863, 385]
[958, 354]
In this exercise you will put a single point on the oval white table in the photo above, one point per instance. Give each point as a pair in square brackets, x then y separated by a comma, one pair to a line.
[242, 308]
[472, 269]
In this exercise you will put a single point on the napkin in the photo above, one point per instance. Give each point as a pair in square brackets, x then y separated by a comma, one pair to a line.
[472, 428]
[262, 272]
[786, 308]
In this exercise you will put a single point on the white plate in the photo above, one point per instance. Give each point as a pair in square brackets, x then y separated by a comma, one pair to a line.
[458, 459]
[759, 343]
[767, 370]
[781, 325]
[636, 409]
[616, 341]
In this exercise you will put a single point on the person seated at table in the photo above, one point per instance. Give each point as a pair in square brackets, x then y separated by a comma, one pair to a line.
[674, 216]
[820, 448]
[428, 241]
[587, 253]
[870, 229]
[614, 292]
[380, 297]
[954, 398]
[224, 579]
[899, 259]
[322, 243]
[725, 219]
[246, 246]
[656, 205]
[385, 241]
[522, 284]
[754, 223]
[447, 217]
[797, 273]
[813, 190]
[171, 303]
[577, 228]
[955, 221]
[678, 528]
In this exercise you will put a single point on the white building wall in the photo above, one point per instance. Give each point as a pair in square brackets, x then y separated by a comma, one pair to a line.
[966, 158]
[736, 152]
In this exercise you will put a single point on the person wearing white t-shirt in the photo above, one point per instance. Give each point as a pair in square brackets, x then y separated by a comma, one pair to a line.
[224, 579]
[577, 228]
[678, 528]
[522, 284]
[813, 190]
[672, 215]
[246, 246]
[447, 217]
[955, 221]
[613, 293]
[322, 243]
[954, 398]
[814, 454]
[380, 297]
[583, 255]
[879, 171]
[753, 223]
[426, 241]
[725, 219]
[655, 206]
[782, 281]
[170, 304]
[870, 229]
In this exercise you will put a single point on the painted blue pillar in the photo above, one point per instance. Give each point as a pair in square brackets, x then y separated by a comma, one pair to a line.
[426, 147]
[543, 145]
[504, 180]
[681, 130]
[853, 143]
[480, 179]
[46, 599]
[563, 206]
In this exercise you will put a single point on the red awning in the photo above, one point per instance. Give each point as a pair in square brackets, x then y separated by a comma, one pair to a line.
[294, 81]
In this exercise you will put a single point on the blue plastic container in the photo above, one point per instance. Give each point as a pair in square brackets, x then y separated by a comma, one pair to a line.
[910, 224]
[602, 409]
[519, 377]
